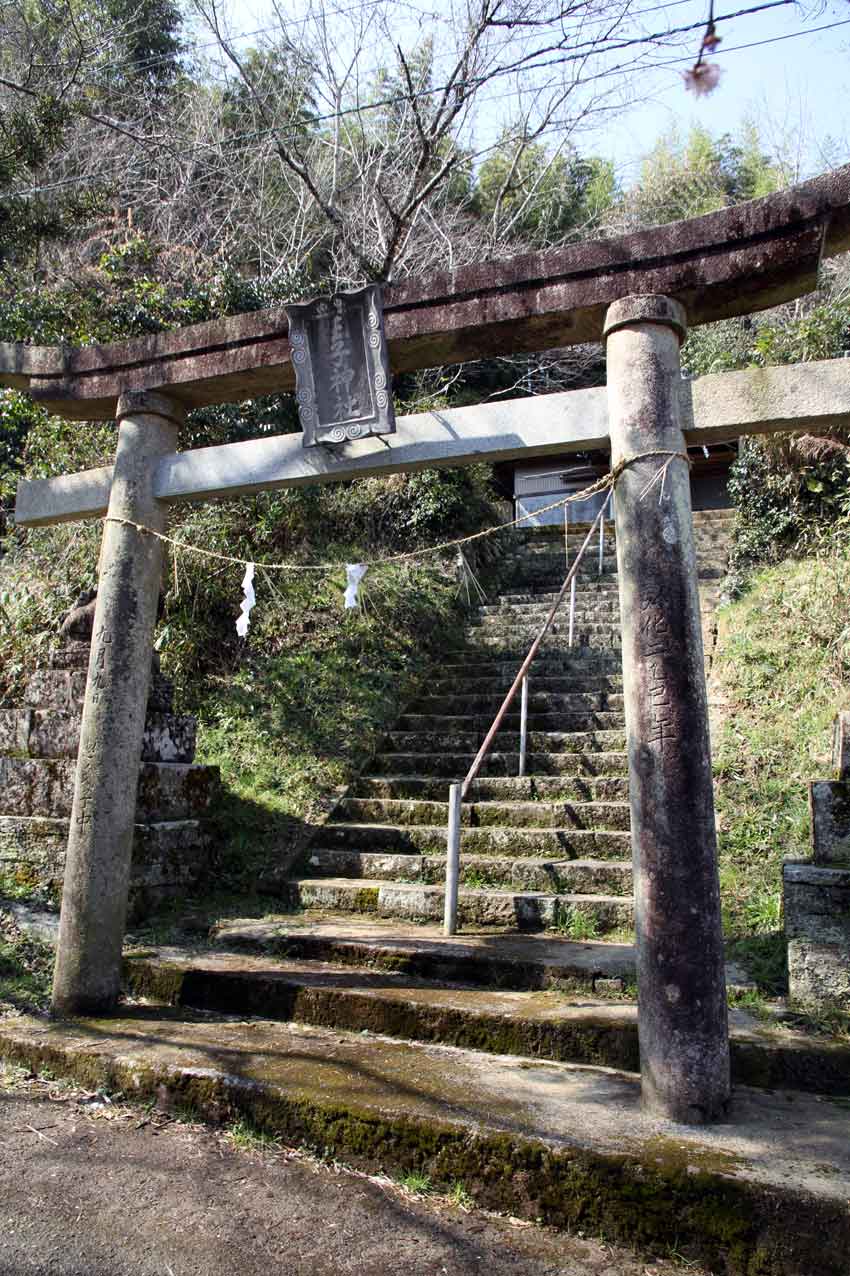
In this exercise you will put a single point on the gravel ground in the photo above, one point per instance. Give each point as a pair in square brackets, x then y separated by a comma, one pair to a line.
[93, 1188]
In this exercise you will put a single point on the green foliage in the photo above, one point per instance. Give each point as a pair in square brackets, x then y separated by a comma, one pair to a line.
[26, 968]
[541, 198]
[701, 173]
[784, 664]
[247, 1137]
[789, 500]
[415, 1181]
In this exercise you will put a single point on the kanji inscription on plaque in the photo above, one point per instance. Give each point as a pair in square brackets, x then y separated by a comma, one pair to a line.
[342, 376]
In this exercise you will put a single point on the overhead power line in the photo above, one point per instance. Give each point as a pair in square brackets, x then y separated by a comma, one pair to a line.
[285, 25]
[256, 134]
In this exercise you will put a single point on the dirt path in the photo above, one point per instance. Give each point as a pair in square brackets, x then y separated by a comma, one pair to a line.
[89, 1188]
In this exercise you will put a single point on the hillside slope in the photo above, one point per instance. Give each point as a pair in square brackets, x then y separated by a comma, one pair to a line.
[782, 671]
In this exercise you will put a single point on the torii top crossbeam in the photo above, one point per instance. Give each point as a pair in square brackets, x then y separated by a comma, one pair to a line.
[727, 263]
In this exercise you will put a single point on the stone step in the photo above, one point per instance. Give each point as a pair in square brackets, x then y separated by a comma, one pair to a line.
[169, 857]
[486, 814]
[581, 877]
[419, 951]
[594, 1031]
[580, 662]
[525, 910]
[455, 765]
[493, 625]
[586, 720]
[516, 789]
[514, 646]
[166, 790]
[563, 1145]
[495, 687]
[538, 741]
[586, 609]
[542, 842]
[55, 733]
[539, 701]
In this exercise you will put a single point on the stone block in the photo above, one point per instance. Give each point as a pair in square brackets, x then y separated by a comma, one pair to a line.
[36, 786]
[55, 733]
[66, 688]
[15, 725]
[829, 804]
[56, 689]
[819, 974]
[841, 746]
[817, 903]
[169, 857]
[45, 787]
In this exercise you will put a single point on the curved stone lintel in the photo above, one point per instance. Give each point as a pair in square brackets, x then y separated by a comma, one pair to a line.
[727, 263]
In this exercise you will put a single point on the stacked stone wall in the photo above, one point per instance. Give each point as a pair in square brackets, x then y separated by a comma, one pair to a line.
[39, 740]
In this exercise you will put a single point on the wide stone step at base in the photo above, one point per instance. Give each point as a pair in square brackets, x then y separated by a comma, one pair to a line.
[589, 762]
[516, 789]
[554, 1025]
[583, 877]
[168, 856]
[166, 790]
[525, 910]
[566, 1145]
[564, 843]
[53, 733]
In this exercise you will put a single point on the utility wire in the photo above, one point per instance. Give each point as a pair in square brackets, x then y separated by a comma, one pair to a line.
[285, 25]
[484, 78]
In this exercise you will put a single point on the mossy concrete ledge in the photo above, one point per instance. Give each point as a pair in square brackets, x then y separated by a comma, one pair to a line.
[764, 1195]
[542, 1025]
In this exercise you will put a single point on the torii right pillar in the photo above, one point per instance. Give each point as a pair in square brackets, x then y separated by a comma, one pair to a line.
[682, 1015]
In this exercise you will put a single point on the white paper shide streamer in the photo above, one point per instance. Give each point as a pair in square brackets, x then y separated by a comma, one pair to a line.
[247, 602]
[354, 573]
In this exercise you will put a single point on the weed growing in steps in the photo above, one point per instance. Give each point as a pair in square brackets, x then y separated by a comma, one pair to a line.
[416, 1182]
[246, 1137]
[574, 923]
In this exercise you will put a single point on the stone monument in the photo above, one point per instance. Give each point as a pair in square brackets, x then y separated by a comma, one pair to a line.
[817, 891]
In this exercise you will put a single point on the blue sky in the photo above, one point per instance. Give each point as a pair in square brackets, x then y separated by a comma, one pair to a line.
[796, 89]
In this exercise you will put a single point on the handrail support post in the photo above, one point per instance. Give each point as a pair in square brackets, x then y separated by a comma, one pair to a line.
[452, 860]
[523, 726]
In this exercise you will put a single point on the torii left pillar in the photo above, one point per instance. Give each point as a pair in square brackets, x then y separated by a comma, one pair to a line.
[100, 841]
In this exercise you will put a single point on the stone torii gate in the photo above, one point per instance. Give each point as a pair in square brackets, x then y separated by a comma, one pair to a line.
[638, 292]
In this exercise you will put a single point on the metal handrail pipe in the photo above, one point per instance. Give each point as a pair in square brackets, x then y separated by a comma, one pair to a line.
[532, 652]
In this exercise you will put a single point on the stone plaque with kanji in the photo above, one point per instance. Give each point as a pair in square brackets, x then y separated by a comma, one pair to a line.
[342, 377]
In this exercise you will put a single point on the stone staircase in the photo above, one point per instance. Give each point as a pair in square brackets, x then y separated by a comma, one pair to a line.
[550, 850]
[501, 1060]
